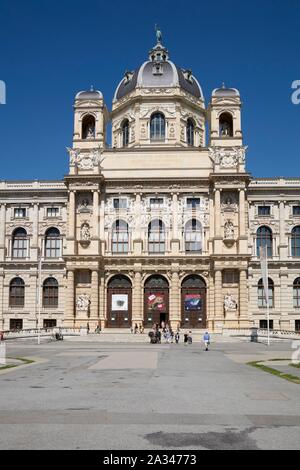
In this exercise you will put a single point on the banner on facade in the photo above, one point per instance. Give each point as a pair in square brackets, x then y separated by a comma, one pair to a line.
[263, 251]
[192, 302]
[119, 302]
[156, 301]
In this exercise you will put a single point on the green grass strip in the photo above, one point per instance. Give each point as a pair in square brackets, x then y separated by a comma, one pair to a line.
[270, 370]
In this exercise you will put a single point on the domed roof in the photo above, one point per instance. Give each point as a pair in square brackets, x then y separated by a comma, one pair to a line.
[89, 95]
[158, 72]
[225, 92]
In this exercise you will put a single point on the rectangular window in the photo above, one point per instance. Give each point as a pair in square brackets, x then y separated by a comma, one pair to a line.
[264, 210]
[296, 210]
[15, 324]
[230, 276]
[20, 213]
[83, 276]
[120, 203]
[264, 324]
[49, 323]
[193, 202]
[296, 296]
[52, 212]
[297, 325]
[156, 202]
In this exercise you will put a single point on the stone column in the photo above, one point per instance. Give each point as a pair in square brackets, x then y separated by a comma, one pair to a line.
[35, 235]
[2, 231]
[217, 213]
[219, 310]
[174, 300]
[243, 299]
[137, 233]
[96, 213]
[102, 300]
[242, 216]
[175, 241]
[283, 245]
[210, 304]
[102, 222]
[70, 300]
[72, 215]
[137, 307]
[94, 312]
[1, 300]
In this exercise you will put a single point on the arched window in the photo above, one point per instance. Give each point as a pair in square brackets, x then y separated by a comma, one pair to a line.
[157, 127]
[50, 293]
[296, 292]
[88, 127]
[52, 243]
[192, 236]
[120, 237]
[261, 293]
[156, 236]
[125, 133]
[226, 125]
[16, 292]
[190, 130]
[264, 238]
[19, 243]
[295, 242]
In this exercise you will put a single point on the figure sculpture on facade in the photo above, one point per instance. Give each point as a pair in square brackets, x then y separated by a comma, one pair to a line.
[90, 132]
[158, 34]
[225, 129]
[74, 154]
[229, 303]
[228, 230]
[83, 302]
[85, 232]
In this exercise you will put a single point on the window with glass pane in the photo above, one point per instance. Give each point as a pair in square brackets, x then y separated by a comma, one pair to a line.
[156, 202]
[19, 243]
[193, 236]
[120, 237]
[264, 324]
[16, 292]
[295, 242]
[20, 213]
[156, 237]
[157, 127]
[297, 325]
[120, 203]
[193, 202]
[125, 133]
[261, 295]
[296, 292]
[52, 243]
[190, 128]
[264, 238]
[50, 293]
[52, 212]
[296, 210]
[264, 210]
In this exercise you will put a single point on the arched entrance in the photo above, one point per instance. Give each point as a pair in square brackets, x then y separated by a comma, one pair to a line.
[119, 301]
[156, 301]
[193, 302]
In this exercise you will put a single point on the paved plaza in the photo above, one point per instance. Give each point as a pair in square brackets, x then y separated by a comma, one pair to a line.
[90, 395]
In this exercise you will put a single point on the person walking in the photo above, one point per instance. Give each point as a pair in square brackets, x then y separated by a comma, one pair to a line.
[206, 339]
[87, 328]
[177, 337]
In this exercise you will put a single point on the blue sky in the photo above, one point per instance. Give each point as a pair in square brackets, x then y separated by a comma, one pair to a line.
[49, 50]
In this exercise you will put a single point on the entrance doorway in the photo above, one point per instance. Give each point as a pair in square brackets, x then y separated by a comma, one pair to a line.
[193, 302]
[119, 301]
[156, 301]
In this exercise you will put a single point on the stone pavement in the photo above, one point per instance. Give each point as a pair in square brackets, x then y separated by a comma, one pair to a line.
[87, 395]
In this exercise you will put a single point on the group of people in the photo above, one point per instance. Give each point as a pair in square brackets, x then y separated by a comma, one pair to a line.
[165, 332]
[137, 329]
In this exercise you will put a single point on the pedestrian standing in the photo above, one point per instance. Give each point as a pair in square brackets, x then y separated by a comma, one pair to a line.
[177, 337]
[87, 328]
[206, 339]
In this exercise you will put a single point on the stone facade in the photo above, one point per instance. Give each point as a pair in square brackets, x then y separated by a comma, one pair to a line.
[161, 226]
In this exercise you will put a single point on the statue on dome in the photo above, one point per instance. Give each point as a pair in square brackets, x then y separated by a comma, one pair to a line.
[158, 34]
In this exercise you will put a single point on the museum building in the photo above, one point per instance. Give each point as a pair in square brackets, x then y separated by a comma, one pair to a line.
[164, 225]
